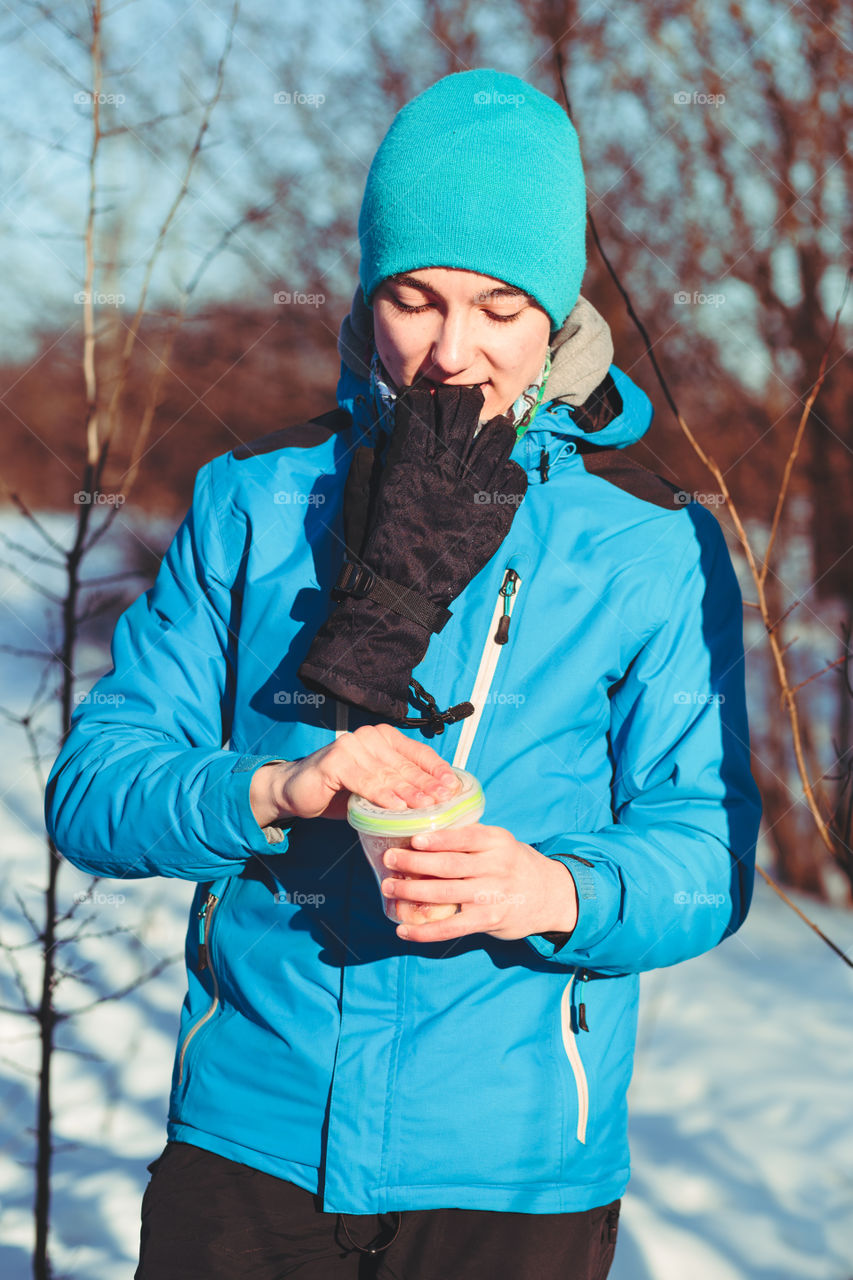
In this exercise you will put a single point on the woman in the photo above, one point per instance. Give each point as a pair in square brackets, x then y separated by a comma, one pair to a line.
[447, 1098]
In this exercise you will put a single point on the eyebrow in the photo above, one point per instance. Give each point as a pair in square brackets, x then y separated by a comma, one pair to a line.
[499, 291]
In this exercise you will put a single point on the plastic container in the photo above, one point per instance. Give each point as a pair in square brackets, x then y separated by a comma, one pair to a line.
[378, 829]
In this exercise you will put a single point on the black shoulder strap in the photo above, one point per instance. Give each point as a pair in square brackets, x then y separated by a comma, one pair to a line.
[301, 435]
[626, 473]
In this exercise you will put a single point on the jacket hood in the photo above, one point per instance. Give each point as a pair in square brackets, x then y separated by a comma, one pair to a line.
[581, 356]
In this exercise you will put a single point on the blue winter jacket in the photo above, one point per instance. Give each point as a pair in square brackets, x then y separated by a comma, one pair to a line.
[610, 732]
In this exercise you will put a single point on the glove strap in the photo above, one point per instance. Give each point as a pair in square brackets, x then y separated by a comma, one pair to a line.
[360, 582]
[436, 719]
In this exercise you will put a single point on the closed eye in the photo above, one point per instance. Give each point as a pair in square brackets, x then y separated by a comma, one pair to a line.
[490, 315]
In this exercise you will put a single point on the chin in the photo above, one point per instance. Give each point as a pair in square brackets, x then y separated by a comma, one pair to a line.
[492, 409]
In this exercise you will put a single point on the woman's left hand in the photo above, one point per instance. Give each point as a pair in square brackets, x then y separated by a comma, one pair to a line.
[505, 888]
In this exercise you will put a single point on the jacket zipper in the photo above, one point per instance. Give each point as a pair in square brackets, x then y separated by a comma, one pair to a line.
[205, 918]
[496, 638]
[571, 1048]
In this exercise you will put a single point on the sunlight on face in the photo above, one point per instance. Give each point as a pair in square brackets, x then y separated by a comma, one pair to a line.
[452, 326]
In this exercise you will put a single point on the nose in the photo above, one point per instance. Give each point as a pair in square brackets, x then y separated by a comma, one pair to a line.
[452, 350]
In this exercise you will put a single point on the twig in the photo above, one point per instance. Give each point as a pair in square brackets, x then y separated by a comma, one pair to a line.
[801, 426]
[829, 666]
[28, 551]
[36, 586]
[777, 889]
[122, 991]
[18, 501]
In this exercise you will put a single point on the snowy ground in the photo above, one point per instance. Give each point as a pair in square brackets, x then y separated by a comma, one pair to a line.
[742, 1158]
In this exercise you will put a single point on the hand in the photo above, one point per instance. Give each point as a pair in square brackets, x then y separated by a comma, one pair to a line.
[376, 761]
[505, 888]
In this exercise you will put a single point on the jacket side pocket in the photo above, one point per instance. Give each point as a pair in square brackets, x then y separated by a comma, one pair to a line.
[570, 1031]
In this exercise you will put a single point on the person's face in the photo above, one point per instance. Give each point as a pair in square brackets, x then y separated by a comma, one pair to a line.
[445, 325]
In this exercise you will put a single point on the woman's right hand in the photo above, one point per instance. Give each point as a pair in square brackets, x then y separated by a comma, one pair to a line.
[375, 761]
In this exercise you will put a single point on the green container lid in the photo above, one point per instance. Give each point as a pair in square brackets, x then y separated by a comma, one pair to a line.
[469, 803]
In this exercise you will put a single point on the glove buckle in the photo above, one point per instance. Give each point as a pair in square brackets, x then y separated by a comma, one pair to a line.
[353, 580]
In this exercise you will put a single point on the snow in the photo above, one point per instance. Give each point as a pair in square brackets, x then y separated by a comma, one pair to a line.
[740, 1103]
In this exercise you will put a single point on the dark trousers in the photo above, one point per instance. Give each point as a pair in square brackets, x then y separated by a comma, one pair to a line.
[205, 1216]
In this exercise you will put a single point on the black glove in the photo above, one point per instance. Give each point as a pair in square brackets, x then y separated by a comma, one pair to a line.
[445, 504]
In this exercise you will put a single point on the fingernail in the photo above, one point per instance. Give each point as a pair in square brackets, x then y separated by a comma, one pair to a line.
[403, 931]
[390, 859]
[422, 841]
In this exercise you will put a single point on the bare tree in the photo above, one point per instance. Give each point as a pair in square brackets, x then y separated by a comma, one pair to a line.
[62, 929]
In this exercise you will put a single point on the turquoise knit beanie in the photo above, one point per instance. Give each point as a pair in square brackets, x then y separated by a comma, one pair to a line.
[480, 171]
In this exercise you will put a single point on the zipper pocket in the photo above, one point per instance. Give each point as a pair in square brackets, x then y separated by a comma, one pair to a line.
[205, 924]
[570, 1044]
[496, 638]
